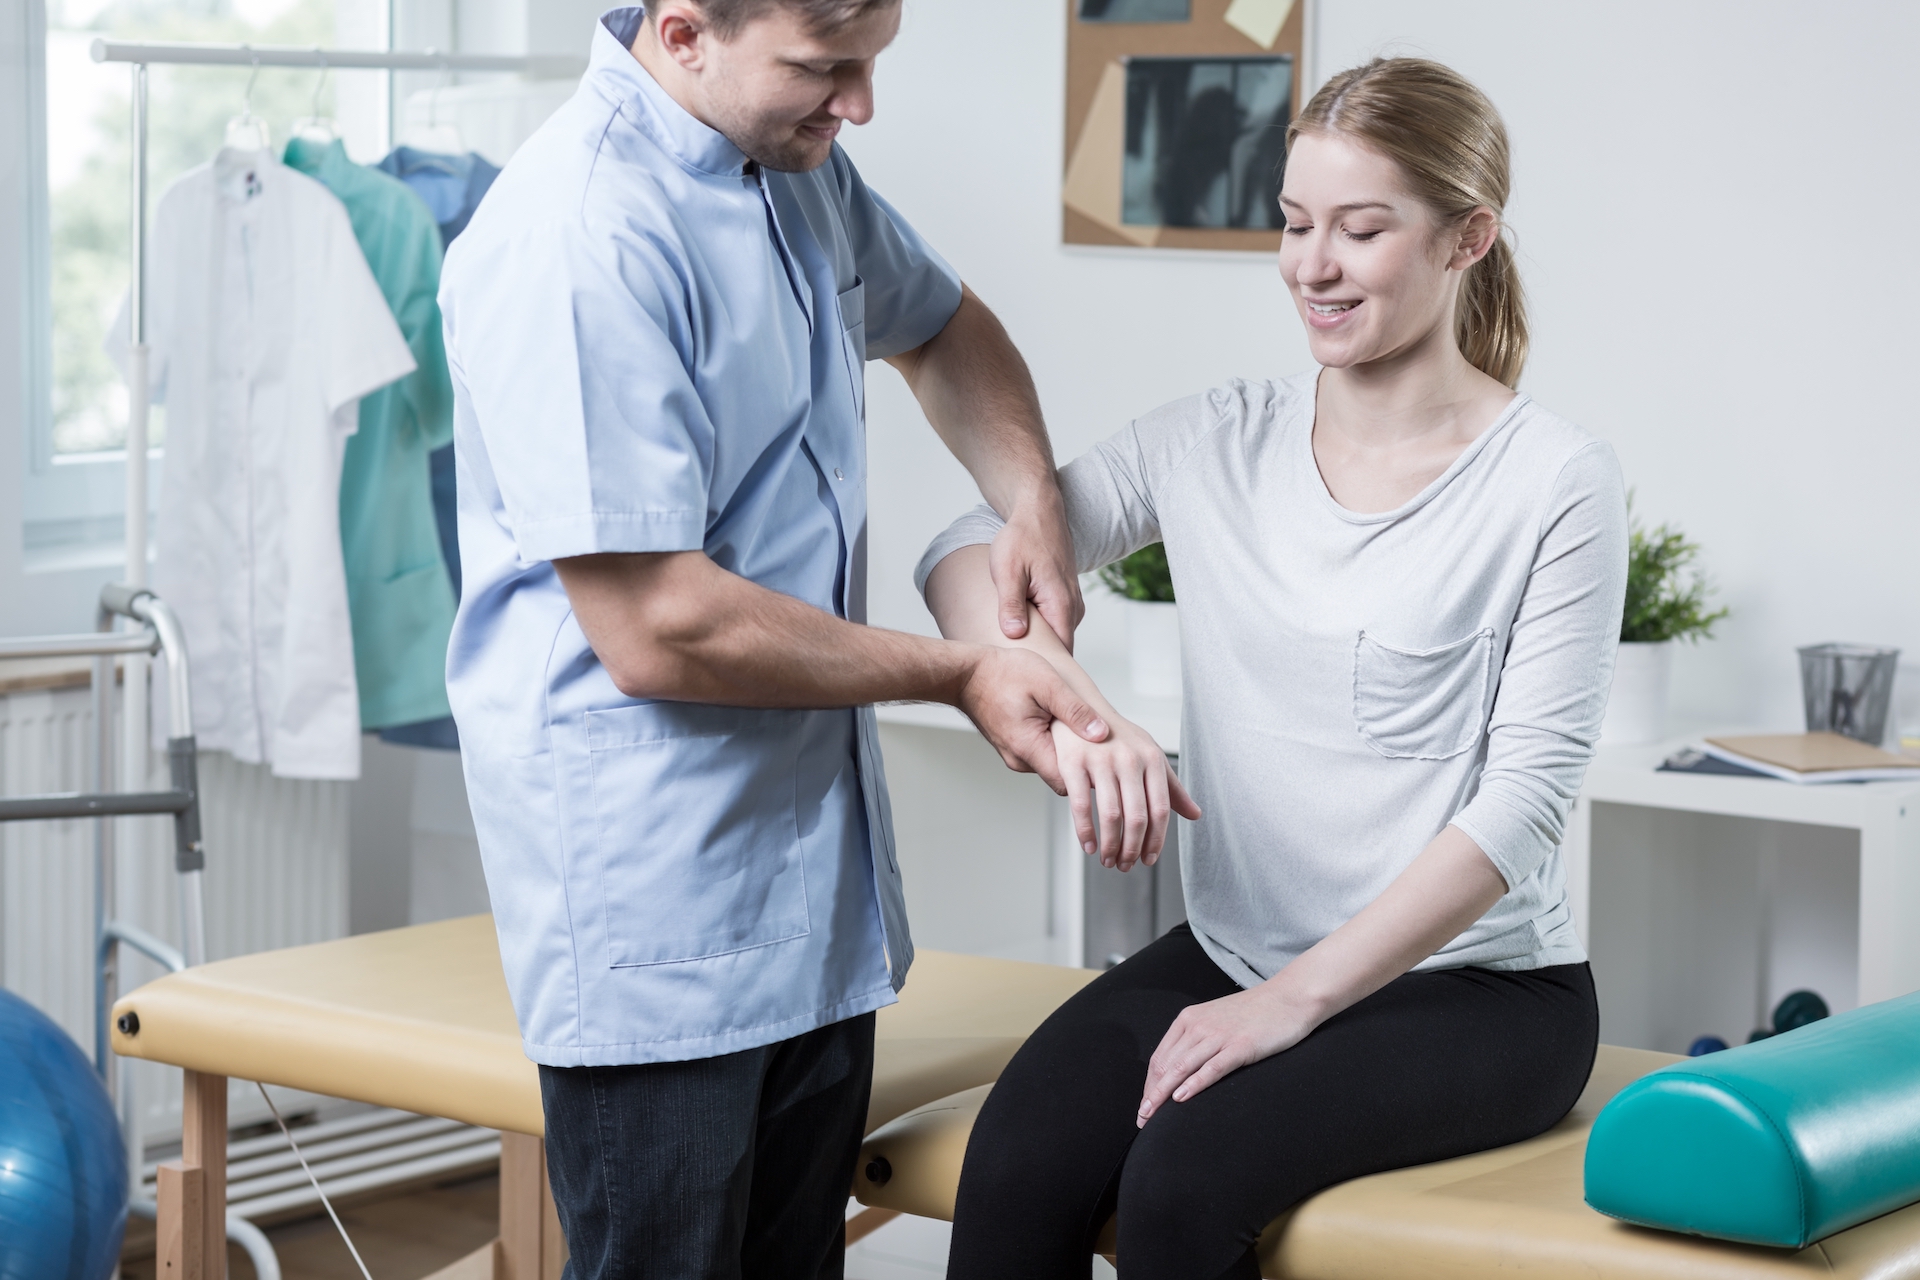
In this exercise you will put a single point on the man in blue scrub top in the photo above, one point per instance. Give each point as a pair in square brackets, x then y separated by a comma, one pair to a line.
[658, 324]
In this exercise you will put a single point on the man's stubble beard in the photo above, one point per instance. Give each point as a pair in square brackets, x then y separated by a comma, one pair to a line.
[777, 147]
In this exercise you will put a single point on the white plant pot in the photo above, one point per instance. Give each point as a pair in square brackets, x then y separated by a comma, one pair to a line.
[1153, 647]
[1637, 709]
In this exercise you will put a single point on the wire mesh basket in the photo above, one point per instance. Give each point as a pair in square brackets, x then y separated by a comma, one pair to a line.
[1848, 689]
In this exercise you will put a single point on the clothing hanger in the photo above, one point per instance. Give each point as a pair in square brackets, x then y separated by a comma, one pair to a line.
[443, 139]
[314, 127]
[246, 131]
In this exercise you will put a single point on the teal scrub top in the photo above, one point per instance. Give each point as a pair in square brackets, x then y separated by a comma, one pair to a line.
[398, 589]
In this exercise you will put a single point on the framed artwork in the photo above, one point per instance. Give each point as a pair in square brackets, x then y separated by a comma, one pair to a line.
[1177, 115]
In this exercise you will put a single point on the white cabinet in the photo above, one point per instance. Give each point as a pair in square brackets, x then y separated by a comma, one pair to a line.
[1703, 899]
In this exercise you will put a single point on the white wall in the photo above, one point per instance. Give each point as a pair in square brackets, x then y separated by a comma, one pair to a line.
[1712, 203]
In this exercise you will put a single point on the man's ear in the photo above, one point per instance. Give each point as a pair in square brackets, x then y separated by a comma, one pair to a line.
[682, 32]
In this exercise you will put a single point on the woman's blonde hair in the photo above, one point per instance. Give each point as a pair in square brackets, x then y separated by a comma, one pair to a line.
[1452, 146]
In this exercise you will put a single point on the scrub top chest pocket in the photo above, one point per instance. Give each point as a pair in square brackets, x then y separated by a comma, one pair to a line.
[697, 844]
[853, 326]
[1422, 704]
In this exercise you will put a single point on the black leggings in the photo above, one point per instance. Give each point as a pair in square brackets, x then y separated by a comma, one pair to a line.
[1433, 1065]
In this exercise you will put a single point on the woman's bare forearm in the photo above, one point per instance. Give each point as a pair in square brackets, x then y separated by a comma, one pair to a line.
[964, 602]
[1440, 894]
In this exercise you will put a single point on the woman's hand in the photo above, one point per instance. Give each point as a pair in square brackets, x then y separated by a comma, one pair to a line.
[1121, 792]
[1449, 886]
[1209, 1040]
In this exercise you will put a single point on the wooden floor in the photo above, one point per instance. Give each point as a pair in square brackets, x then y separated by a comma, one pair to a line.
[403, 1237]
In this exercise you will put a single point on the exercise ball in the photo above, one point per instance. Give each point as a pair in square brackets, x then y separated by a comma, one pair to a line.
[63, 1170]
[1704, 1045]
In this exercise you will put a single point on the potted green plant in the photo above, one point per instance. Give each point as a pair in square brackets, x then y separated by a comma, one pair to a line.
[1145, 582]
[1667, 601]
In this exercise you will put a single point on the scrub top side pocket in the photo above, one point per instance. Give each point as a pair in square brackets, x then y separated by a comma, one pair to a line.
[1422, 704]
[697, 843]
[853, 326]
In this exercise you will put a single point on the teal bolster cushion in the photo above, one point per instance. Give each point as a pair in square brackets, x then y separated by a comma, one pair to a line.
[1782, 1142]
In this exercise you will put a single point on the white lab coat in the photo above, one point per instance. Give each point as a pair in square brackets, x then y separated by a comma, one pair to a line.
[266, 328]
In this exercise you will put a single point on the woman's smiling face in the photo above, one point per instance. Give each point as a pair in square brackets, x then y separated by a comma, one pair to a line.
[1371, 272]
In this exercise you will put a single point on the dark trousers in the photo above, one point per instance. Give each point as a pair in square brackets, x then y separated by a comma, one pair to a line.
[714, 1169]
[1432, 1065]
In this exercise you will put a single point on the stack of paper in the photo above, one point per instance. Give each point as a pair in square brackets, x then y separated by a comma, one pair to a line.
[1813, 757]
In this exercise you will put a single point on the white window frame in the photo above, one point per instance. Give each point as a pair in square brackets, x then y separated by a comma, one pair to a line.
[73, 508]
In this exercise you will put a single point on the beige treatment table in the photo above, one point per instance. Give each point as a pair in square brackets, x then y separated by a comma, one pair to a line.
[1513, 1213]
[419, 1019]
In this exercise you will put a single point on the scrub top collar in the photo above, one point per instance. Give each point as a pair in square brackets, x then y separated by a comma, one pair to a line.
[618, 75]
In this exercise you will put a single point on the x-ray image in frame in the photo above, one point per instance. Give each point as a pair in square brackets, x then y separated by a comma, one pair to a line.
[1135, 10]
[1205, 141]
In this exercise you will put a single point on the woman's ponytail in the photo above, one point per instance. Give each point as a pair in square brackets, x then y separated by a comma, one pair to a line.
[1450, 142]
[1491, 324]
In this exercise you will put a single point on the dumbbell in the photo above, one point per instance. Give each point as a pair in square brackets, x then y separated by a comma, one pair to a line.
[1795, 1010]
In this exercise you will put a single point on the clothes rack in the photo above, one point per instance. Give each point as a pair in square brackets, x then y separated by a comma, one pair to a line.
[140, 56]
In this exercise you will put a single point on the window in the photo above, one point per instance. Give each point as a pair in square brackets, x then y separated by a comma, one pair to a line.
[73, 503]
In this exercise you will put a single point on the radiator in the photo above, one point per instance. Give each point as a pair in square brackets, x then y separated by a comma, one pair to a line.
[276, 877]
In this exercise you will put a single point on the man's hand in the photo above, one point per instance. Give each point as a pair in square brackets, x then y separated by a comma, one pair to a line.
[1032, 562]
[1014, 697]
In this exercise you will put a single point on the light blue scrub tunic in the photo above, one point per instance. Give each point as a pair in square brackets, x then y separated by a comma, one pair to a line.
[657, 347]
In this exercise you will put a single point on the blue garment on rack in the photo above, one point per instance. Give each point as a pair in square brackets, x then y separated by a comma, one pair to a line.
[451, 188]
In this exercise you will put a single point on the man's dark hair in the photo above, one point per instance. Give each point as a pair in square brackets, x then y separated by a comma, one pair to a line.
[726, 17]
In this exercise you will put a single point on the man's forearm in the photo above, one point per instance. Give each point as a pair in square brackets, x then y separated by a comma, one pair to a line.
[679, 627]
[675, 626]
[977, 392]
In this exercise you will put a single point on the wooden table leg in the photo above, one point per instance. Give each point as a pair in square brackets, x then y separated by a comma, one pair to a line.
[192, 1219]
[866, 1222]
[531, 1244]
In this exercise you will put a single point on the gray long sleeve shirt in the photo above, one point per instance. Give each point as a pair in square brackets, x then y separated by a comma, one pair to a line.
[1354, 683]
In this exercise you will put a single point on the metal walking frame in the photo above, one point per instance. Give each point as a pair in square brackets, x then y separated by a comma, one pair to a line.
[157, 630]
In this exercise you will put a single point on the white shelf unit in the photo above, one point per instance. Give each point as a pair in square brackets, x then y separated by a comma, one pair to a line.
[1703, 899]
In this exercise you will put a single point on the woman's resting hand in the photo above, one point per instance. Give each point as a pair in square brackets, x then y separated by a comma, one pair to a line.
[1449, 886]
[1207, 1041]
[1122, 793]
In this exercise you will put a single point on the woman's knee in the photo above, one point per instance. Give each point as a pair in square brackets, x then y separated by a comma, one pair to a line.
[1179, 1198]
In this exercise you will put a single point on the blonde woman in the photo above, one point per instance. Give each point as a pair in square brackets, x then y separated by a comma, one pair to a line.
[1400, 588]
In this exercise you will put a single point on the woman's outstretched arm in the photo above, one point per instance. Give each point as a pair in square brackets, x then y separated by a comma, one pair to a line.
[1449, 886]
[1122, 791]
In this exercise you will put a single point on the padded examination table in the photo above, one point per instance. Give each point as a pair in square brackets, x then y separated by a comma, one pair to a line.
[1516, 1212]
[419, 1019]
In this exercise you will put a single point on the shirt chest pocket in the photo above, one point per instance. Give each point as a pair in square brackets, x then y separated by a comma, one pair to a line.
[853, 328]
[1422, 704]
[696, 841]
